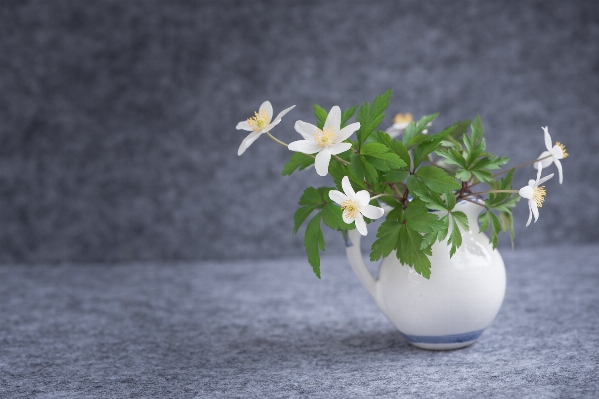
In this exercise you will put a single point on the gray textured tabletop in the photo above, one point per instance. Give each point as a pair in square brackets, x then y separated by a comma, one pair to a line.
[271, 329]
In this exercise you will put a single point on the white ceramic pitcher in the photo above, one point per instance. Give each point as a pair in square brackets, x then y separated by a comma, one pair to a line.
[454, 307]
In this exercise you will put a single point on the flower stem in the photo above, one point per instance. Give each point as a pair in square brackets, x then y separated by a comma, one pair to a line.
[276, 139]
[489, 192]
[521, 165]
[382, 195]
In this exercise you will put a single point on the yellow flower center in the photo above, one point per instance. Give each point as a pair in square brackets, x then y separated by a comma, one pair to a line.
[538, 195]
[324, 137]
[258, 121]
[350, 208]
[563, 148]
[403, 118]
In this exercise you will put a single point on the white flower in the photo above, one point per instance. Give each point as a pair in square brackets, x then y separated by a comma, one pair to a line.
[325, 142]
[355, 205]
[258, 124]
[535, 194]
[555, 153]
[400, 123]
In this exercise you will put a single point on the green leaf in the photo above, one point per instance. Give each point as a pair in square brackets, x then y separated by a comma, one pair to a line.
[357, 166]
[321, 116]
[463, 175]
[415, 128]
[450, 199]
[483, 175]
[301, 215]
[477, 130]
[332, 217]
[313, 242]
[431, 144]
[461, 218]
[396, 175]
[297, 161]
[484, 220]
[437, 179]
[310, 196]
[430, 198]
[373, 149]
[455, 238]
[347, 114]
[371, 173]
[425, 223]
[410, 252]
[387, 239]
[370, 118]
[496, 223]
[452, 157]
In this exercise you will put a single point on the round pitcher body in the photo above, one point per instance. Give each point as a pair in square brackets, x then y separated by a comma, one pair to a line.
[451, 309]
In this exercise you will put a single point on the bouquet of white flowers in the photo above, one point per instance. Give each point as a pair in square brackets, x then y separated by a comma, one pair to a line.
[405, 172]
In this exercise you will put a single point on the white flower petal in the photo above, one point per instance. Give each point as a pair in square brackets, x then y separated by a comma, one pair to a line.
[346, 219]
[361, 224]
[266, 106]
[372, 212]
[333, 121]
[557, 152]
[338, 148]
[322, 162]
[545, 162]
[346, 132]
[544, 179]
[307, 130]
[272, 124]
[337, 196]
[539, 170]
[393, 131]
[362, 198]
[244, 125]
[529, 215]
[305, 146]
[559, 170]
[535, 210]
[347, 188]
[547, 139]
[526, 192]
[253, 136]
[283, 112]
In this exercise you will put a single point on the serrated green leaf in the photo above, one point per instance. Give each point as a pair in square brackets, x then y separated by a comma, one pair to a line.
[425, 223]
[477, 130]
[297, 161]
[437, 179]
[387, 239]
[414, 209]
[395, 214]
[332, 217]
[415, 128]
[357, 166]
[373, 149]
[483, 175]
[427, 147]
[301, 215]
[484, 220]
[313, 242]
[450, 200]
[321, 116]
[371, 173]
[410, 251]
[347, 114]
[463, 175]
[461, 218]
[455, 238]
[396, 175]
[452, 157]
[370, 118]
[310, 197]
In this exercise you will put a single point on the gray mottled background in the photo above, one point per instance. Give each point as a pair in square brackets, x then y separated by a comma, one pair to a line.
[117, 119]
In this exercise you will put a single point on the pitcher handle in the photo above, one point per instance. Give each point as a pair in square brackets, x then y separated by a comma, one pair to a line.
[354, 255]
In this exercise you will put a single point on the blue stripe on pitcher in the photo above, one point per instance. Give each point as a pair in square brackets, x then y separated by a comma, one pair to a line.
[444, 339]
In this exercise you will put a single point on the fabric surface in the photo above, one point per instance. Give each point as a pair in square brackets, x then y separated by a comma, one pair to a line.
[272, 329]
[117, 118]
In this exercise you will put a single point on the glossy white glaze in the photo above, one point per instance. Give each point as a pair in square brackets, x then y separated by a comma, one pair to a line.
[462, 296]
